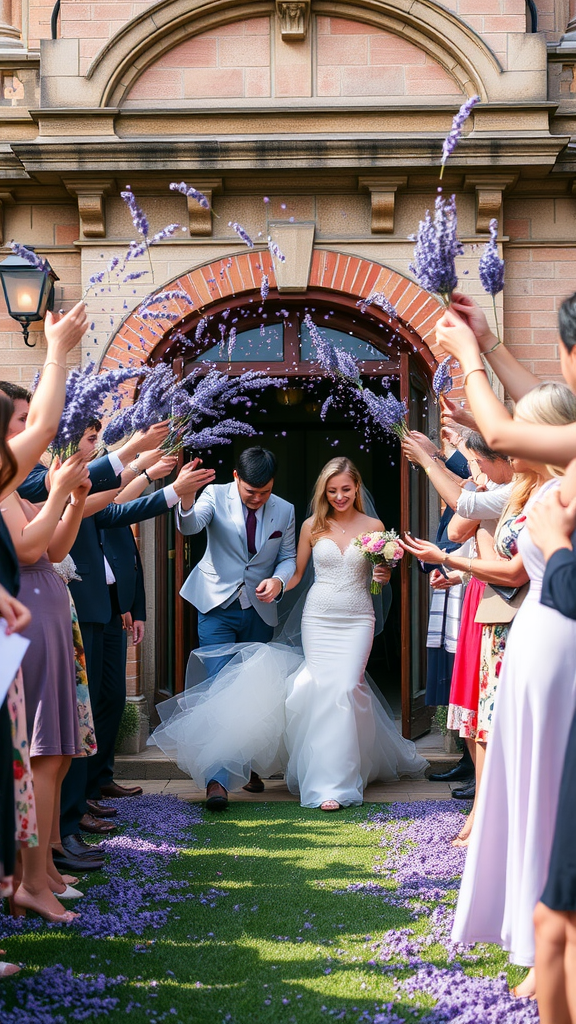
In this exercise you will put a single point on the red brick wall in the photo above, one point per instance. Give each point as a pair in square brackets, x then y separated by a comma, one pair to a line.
[537, 280]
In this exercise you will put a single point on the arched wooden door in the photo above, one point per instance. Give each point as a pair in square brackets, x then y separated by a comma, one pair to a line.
[288, 421]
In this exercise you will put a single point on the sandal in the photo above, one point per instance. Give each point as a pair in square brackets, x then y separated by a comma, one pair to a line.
[330, 805]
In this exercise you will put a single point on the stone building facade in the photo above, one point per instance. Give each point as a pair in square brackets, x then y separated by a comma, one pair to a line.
[319, 124]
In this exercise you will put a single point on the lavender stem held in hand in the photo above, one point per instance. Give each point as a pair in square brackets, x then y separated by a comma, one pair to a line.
[454, 135]
[491, 270]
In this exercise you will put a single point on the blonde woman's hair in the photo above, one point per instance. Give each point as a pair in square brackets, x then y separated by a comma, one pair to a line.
[321, 508]
[551, 404]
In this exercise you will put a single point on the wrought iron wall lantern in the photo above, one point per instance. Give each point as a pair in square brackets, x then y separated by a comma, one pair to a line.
[28, 290]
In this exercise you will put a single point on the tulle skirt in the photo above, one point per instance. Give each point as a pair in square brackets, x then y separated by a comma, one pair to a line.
[271, 709]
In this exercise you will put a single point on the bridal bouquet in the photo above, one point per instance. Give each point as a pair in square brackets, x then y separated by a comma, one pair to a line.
[380, 548]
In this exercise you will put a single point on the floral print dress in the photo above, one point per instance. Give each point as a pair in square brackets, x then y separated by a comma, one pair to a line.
[495, 635]
[24, 806]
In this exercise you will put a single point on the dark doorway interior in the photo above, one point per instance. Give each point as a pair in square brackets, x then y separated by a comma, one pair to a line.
[289, 423]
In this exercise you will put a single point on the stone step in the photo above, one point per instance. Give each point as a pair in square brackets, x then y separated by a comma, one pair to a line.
[152, 764]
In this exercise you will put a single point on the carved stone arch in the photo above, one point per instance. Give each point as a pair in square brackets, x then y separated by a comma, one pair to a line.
[333, 273]
[439, 32]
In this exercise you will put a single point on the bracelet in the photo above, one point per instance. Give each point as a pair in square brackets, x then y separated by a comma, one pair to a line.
[494, 347]
[52, 362]
[470, 565]
[427, 469]
[477, 369]
[439, 457]
[145, 473]
[133, 467]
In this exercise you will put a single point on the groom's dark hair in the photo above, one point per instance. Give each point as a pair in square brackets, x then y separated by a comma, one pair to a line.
[256, 466]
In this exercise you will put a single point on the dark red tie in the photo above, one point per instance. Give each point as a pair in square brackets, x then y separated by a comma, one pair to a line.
[251, 531]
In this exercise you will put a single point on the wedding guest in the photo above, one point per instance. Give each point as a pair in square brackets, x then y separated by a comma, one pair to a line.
[457, 332]
[16, 460]
[549, 403]
[445, 604]
[41, 537]
[93, 596]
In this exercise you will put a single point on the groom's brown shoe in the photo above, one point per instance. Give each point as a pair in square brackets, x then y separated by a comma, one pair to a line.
[255, 785]
[216, 796]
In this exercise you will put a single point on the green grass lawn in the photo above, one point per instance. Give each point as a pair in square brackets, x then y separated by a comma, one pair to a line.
[277, 942]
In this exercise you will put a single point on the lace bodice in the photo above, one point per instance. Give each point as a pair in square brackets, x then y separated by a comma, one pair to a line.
[342, 580]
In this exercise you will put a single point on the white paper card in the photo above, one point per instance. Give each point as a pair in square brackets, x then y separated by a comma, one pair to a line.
[12, 650]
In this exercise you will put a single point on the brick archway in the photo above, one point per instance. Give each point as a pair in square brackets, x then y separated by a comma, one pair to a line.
[335, 273]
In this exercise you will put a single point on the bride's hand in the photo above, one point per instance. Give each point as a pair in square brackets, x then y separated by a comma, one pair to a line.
[423, 550]
[382, 573]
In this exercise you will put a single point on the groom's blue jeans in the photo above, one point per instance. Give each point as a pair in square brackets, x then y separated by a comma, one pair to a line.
[233, 625]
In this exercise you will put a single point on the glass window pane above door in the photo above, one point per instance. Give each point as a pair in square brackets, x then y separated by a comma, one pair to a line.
[359, 349]
[251, 347]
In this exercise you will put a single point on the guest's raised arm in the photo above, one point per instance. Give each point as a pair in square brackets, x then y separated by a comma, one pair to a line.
[547, 444]
[62, 335]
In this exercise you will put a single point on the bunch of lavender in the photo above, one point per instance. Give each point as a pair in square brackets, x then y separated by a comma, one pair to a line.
[86, 395]
[436, 249]
[388, 413]
[491, 270]
[336, 362]
[153, 404]
[198, 398]
[453, 137]
[380, 300]
[220, 433]
[442, 382]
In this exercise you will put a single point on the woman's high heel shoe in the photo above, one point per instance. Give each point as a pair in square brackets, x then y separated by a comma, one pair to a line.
[69, 894]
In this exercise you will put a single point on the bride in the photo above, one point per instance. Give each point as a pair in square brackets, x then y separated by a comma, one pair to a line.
[309, 712]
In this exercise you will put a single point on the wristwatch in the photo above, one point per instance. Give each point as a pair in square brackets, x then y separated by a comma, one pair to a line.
[133, 467]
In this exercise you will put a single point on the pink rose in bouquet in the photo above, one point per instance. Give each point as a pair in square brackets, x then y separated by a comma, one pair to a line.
[380, 548]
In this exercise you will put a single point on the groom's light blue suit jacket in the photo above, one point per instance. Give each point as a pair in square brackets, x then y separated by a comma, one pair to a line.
[226, 564]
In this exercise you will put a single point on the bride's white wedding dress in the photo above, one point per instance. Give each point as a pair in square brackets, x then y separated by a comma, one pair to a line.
[309, 713]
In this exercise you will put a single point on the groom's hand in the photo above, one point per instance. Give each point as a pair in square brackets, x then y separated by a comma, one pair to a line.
[268, 590]
[189, 481]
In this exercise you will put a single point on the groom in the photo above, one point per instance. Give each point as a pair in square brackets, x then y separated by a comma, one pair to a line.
[250, 557]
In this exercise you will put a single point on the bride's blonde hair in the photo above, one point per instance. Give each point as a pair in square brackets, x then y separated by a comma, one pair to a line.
[321, 508]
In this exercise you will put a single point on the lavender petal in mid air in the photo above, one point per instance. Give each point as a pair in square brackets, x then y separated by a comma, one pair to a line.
[453, 137]
[241, 233]
[276, 251]
[192, 193]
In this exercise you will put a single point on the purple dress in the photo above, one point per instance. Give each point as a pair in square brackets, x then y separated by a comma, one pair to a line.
[48, 666]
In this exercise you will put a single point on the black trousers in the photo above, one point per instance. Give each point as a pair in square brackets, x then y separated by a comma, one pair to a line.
[109, 707]
[74, 787]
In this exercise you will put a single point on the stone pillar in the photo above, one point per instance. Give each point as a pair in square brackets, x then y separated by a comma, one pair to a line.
[569, 38]
[10, 38]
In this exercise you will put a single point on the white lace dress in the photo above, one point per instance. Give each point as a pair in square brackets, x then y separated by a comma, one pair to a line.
[309, 713]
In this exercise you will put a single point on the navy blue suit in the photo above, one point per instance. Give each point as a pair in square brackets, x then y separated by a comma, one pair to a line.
[102, 478]
[127, 595]
[96, 604]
